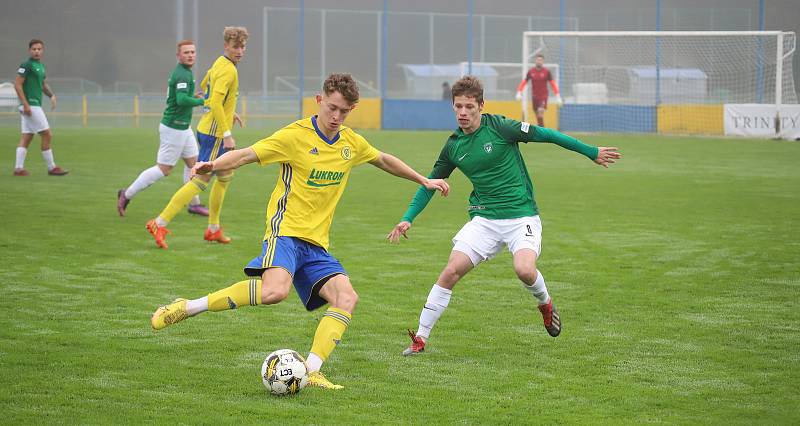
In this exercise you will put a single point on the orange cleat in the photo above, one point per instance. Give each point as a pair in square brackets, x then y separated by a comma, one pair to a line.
[216, 236]
[158, 232]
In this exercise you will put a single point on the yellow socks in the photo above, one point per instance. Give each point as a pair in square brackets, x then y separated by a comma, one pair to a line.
[182, 198]
[242, 293]
[216, 198]
[329, 332]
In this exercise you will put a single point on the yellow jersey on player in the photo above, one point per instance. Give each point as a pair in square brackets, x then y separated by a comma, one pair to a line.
[221, 89]
[312, 177]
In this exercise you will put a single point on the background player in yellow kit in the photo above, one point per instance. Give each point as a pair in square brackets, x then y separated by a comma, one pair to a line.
[221, 89]
[315, 155]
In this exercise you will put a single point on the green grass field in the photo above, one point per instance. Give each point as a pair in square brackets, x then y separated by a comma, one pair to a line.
[676, 272]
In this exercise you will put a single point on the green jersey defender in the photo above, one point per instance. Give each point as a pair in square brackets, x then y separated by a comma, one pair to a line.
[502, 205]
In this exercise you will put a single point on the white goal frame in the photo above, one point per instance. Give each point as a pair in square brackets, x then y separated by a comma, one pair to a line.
[781, 55]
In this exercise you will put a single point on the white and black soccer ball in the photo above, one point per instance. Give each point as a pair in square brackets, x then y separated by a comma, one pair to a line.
[284, 372]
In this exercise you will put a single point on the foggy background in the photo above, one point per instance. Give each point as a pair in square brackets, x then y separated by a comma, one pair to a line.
[130, 46]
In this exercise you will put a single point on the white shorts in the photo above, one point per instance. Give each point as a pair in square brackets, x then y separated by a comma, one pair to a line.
[481, 239]
[36, 122]
[175, 144]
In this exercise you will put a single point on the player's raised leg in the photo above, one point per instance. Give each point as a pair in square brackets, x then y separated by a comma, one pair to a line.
[457, 266]
[271, 288]
[243, 293]
[146, 178]
[533, 281]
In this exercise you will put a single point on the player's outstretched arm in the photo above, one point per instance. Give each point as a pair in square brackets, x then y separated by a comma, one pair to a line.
[228, 161]
[607, 155]
[391, 164]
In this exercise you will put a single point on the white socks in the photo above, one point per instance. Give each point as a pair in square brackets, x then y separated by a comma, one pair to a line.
[437, 302]
[21, 154]
[145, 179]
[197, 306]
[538, 289]
[187, 172]
[213, 227]
[48, 159]
[161, 222]
[314, 362]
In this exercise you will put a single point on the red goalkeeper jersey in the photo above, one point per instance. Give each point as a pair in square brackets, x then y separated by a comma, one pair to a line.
[539, 77]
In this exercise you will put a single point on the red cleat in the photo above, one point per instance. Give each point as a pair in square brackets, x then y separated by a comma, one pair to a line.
[158, 232]
[21, 172]
[417, 345]
[57, 171]
[552, 322]
[216, 236]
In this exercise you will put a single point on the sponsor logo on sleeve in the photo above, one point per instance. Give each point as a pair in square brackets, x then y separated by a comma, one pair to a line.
[525, 126]
[182, 85]
[21, 70]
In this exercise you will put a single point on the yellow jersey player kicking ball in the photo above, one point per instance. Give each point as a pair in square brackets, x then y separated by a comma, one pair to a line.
[315, 156]
[221, 90]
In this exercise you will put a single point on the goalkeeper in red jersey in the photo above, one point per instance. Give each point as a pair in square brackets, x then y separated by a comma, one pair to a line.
[539, 76]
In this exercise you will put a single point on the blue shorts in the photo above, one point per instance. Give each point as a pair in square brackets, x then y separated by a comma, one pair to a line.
[210, 147]
[309, 265]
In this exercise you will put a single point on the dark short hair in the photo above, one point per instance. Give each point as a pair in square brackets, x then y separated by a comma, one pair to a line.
[538, 55]
[468, 86]
[342, 83]
[35, 41]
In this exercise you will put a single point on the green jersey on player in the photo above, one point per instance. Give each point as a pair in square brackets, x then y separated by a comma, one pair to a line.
[180, 98]
[34, 73]
[490, 158]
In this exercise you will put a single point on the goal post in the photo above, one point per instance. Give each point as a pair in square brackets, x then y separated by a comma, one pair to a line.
[669, 81]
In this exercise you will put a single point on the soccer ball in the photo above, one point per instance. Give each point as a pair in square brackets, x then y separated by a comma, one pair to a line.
[284, 372]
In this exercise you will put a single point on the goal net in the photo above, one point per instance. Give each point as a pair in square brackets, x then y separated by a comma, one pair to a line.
[666, 81]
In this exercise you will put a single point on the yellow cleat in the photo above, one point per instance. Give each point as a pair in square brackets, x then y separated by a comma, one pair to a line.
[317, 379]
[173, 313]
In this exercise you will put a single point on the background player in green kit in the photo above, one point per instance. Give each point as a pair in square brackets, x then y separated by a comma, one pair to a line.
[177, 139]
[29, 84]
[485, 148]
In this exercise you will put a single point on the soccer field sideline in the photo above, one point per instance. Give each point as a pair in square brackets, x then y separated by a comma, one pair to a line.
[675, 272]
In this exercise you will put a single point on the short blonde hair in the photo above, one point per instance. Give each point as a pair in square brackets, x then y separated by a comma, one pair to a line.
[235, 36]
